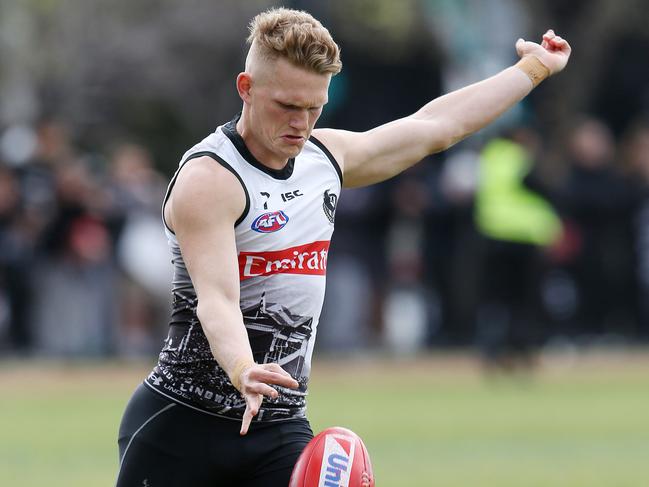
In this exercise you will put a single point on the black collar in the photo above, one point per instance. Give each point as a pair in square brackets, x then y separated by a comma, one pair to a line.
[230, 130]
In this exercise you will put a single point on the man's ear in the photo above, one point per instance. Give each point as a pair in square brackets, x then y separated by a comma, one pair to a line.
[244, 85]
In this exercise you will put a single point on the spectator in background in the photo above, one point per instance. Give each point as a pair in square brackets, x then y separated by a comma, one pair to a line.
[136, 190]
[135, 185]
[411, 309]
[28, 209]
[453, 246]
[54, 149]
[516, 222]
[73, 275]
[636, 159]
[15, 253]
[597, 204]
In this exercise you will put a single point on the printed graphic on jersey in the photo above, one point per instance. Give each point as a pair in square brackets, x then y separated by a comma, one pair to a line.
[329, 205]
[188, 373]
[278, 336]
[337, 460]
[303, 259]
[270, 222]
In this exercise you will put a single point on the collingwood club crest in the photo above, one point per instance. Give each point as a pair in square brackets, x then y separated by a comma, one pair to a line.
[329, 205]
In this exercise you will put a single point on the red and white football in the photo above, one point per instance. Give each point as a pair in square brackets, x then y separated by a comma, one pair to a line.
[336, 457]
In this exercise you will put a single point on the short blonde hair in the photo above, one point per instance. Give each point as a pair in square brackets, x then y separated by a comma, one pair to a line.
[296, 36]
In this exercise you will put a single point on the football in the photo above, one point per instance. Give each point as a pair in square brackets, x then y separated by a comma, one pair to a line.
[336, 457]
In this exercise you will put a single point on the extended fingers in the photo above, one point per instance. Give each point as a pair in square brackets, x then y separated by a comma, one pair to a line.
[274, 378]
[252, 408]
[273, 367]
[255, 385]
[273, 374]
[253, 403]
[263, 389]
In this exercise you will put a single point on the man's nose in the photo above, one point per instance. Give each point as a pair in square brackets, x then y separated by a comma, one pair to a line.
[300, 120]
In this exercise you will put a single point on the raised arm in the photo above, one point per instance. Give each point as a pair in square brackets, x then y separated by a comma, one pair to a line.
[383, 152]
[205, 203]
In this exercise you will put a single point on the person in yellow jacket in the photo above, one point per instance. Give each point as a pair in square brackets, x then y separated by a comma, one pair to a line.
[516, 223]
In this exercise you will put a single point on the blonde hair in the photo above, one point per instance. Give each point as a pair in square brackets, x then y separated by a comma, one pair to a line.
[296, 36]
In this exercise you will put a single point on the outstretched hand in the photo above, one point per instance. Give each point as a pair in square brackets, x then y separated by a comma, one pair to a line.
[254, 385]
[553, 51]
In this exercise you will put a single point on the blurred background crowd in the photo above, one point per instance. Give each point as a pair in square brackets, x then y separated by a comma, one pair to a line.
[532, 233]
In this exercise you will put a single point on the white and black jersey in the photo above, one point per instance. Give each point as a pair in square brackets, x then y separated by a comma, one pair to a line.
[282, 241]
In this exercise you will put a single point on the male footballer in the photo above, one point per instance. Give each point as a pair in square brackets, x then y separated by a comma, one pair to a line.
[249, 216]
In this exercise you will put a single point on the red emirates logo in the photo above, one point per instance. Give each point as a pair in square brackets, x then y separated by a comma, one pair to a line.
[308, 259]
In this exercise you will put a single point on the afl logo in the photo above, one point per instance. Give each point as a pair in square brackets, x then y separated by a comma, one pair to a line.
[270, 222]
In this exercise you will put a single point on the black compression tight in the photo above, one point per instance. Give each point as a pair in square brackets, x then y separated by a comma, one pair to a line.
[164, 444]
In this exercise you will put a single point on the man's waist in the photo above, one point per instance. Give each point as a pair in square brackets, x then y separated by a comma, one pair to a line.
[217, 396]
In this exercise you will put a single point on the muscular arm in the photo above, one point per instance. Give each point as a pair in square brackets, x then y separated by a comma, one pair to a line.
[205, 203]
[385, 151]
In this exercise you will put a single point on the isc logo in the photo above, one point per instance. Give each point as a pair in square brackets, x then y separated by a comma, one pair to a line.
[336, 461]
[270, 222]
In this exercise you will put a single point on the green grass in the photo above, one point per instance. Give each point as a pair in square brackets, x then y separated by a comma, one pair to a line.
[430, 422]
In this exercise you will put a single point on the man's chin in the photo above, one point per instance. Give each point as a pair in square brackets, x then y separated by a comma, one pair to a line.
[292, 151]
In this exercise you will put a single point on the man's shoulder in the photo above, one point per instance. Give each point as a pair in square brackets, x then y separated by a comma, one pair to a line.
[204, 187]
[333, 143]
[204, 169]
[326, 138]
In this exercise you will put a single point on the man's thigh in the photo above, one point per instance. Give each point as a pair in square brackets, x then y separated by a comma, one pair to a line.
[163, 444]
[276, 448]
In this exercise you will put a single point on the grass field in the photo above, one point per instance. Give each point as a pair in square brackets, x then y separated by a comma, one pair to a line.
[430, 422]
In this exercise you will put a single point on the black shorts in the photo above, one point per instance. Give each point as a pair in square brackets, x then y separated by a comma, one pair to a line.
[165, 444]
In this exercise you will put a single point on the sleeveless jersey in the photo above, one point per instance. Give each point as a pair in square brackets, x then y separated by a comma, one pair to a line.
[282, 241]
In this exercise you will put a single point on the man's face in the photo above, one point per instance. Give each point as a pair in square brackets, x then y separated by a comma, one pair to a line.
[285, 103]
